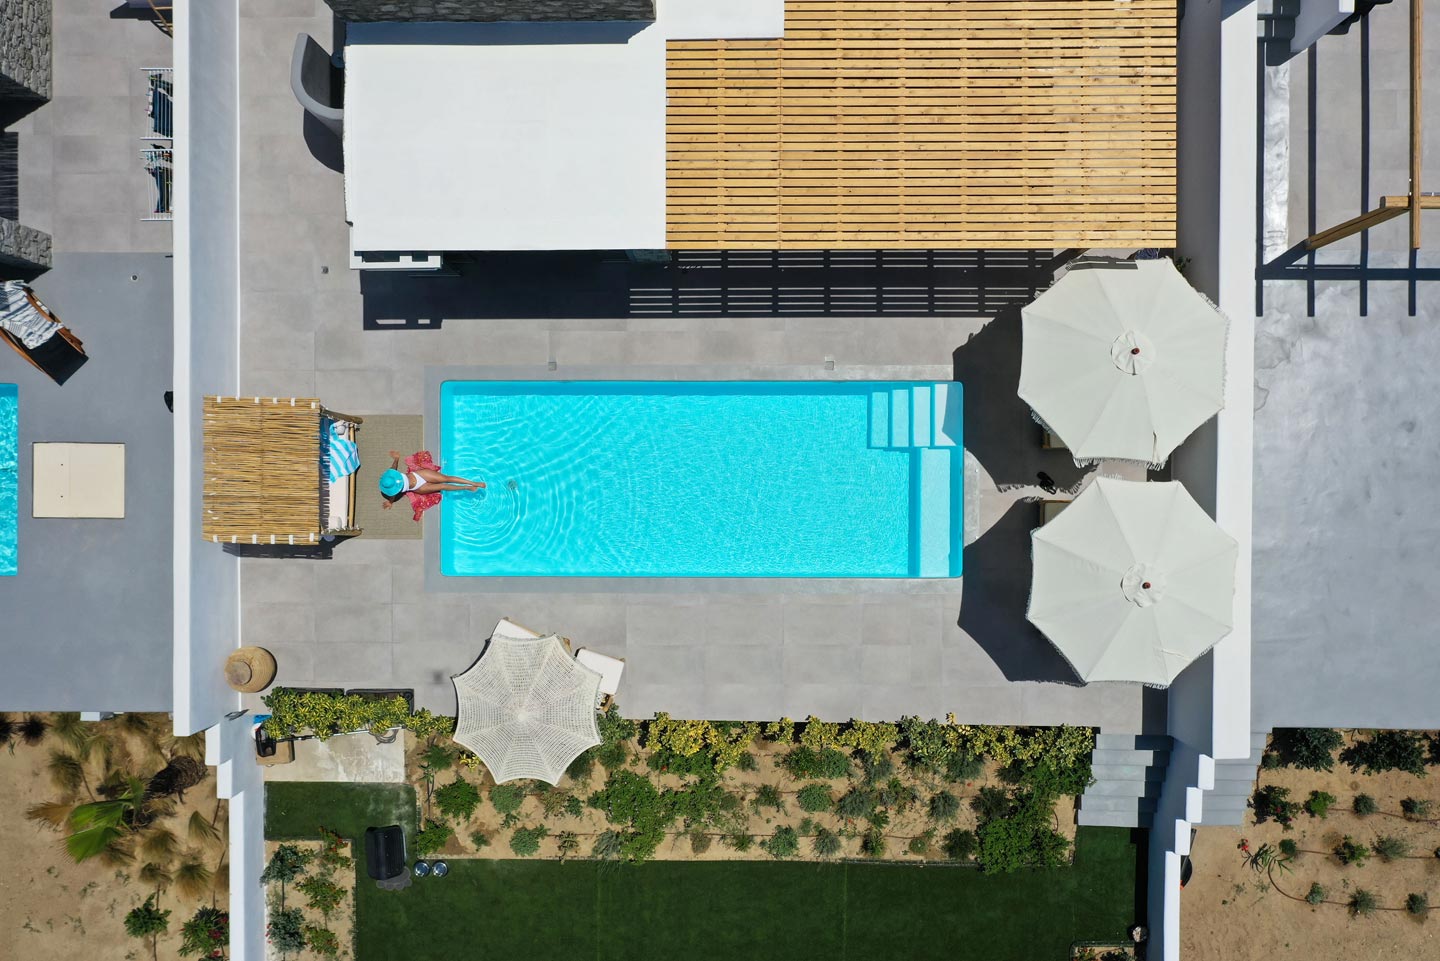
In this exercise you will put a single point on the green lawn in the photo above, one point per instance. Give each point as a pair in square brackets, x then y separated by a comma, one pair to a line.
[671, 911]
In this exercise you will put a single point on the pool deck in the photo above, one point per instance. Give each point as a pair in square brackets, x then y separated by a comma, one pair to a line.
[372, 615]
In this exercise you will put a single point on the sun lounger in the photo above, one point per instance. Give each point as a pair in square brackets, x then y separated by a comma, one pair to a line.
[609, 668]
[34, 333]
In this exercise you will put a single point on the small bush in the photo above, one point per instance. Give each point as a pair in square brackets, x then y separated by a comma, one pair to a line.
[438, 757]
[1417, 904]
[1388, 751]
[321, 894]
[815, 798]
[991, 802]
[431, 838]
[747, 762]
[1417, 809]
[1351, 853]
[700, 841]
[206, 934]
[322, 941]
[287, 930]
[608, 845]
[1311, 748]
[740, 841]
[944, 806]
[480, 839]
[896, 794]
[855, 803]
[1272, 803]
[769, 796]
[878, 818]
[963, 766]
[458, 799]
[1389, 848]
[805, 763]
[1289, 849]
[615, 729]
[920, 844]
[873, 843]
[806, 827]
[1316, 894]
[286, 864]
[507, 798]
[582, 767]
[1318, 804]
[875, 768]
[612, 756]
[959, 845]
[783, 844]
[825, 843]
[526, 841]
[1363, 903]
[1364, 804]
[1269, 761]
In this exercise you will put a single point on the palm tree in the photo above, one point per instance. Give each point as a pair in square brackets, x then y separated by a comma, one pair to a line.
[201, 830]
[67, 773]
[53, 813]
[32, 729]
[160, 844]
[192, 878]
[183, 772]
[7, 729]
[100, 824]
[68, 727]
[157, 875]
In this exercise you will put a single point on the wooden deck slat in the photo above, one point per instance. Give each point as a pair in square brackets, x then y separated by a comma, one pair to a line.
[927, 123]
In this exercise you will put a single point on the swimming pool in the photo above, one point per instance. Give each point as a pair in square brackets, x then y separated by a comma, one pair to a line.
[702, 479]
[9, 478]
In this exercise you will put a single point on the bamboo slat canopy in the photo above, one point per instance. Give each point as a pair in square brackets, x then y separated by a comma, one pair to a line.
[262, 470]
[926, 124]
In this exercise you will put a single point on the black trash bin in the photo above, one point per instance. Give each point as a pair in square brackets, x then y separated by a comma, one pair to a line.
[385, 852]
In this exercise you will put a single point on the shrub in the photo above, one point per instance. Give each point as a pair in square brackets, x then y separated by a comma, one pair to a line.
[700, 841]
[1363, 903]
[920, 844]
[286, 864]
[582, 767]
[331, 857]
[1388, 751]
[959, 845]
[1364, 804]
[929, 745]
[1272, 803]
[1312, 748]
[526, 841]
[1316, 894]
[869, 736]
[321, 894]
[872, 844]
[784, 843]
[458, 799]
[782, 731]
[963, 766]
[615, 729]
[1022, 838]
[825, 843]
[507, 798]
[608, 845]
[1417, 904]
[806, 827]
[431, 838]
[438, 757]
[944, 806]
[878, 818]
[322, 941]
[990, 802]
[293, 712]
[897, 794]
[612, 756]
[631, 800]
[287, 930]
[1417, 809]
[768, 796]
[1351, 853]
[1289, 849]
[206, 934]
[1318, 804]
[480, 839]
[818, 735]
[740, 841]
[1269, 761]
[147, 921]
[804, 763]
[747, 762]
[858, 802]
[815, 798]
[875, 768]
[1389, 848]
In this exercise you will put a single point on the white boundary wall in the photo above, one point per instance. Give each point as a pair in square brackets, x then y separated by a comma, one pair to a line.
[230, 748]
[207, 318]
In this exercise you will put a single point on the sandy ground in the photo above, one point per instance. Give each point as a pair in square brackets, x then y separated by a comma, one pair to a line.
[57, 910]
[760, 823]
[1232, 912]
[341, 920]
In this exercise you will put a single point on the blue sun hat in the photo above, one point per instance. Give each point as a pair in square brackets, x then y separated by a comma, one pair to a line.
[392, 482]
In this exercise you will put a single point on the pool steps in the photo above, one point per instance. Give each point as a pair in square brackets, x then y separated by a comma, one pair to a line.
[924, 420]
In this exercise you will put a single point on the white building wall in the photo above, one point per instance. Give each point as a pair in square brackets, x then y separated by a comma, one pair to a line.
[230, 748]
[207, 316]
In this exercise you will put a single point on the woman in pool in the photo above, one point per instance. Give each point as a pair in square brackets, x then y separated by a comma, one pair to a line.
[395, 483]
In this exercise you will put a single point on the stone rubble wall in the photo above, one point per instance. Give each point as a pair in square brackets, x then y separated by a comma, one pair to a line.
[363, 11]
[25, 49]
[22, 246]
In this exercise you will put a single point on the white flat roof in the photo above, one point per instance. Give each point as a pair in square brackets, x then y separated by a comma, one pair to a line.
[504, 136]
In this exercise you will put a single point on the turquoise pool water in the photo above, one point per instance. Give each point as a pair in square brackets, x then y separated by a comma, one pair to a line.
[9, 477]
[702, 479]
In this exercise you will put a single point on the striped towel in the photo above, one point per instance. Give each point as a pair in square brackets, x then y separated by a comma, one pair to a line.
[344, 456]
[19, 316]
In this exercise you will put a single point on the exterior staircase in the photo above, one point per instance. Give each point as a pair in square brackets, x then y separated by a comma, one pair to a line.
[1227, 802]
[923, 420]
[1129, 770]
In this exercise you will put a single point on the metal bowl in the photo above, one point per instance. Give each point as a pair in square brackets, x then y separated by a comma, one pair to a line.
[439, 869]
[422, 868]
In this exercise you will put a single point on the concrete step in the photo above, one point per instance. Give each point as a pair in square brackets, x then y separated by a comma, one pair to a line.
[1100, 803]
[1224, 802]
[1224, 819]
[1128, 756]
[1234, 787]
[1123, 788]
[936, 516]
[1143, 742]
[899, 417]
[945, 419]
[880, 418]
[1128, 772]
[1114, 819]
[921, 409]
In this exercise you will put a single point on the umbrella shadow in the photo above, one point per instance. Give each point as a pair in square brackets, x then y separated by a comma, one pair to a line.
[999, 429]
[996, 593]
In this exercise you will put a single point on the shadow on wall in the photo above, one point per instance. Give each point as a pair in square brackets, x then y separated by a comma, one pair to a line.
[760, 283]
[996, 592]
[999, 430]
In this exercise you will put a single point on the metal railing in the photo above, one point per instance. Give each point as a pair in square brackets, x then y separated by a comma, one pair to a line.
[159, 167]
[159, 103]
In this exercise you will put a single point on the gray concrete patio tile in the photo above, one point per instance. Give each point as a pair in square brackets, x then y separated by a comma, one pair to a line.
[92, 115]
[826, 700]
[275, 347]
[277, 581]
[93, 74]
[352, 664]
[731, 664]
[263, 622]
[819, 664]
[348, 622]
[885, 665]
[729, 622]
[84, 153]
[647, 666]
[927, 664]
[277, 383]
[294, 663]
[364, 583]
[440, 620]
[680, 697]
[888, 702]
[357, 391]
[825, 621]
[582, 347]
[652, 625]
[1116, 704]
[752, 701]
[664, 347]
[887, 621]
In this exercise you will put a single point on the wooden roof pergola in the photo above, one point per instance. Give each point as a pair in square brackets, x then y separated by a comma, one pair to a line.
[922, 124]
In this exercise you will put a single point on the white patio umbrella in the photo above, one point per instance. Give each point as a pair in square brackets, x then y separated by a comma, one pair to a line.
[1132, 581]
[527, 708]
[1123, 361]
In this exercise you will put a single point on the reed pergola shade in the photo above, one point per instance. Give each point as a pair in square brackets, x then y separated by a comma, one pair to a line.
[264, 480]
[910, 124]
